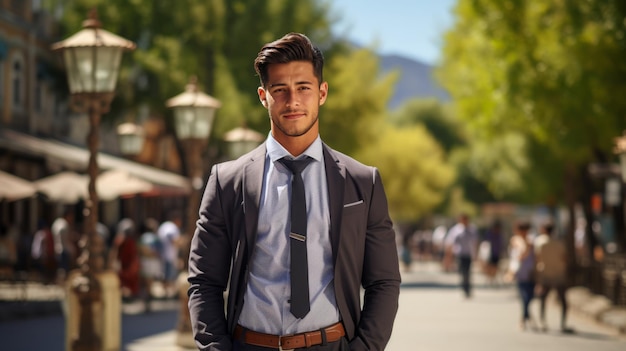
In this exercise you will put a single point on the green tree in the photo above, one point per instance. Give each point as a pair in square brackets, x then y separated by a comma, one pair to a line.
[549, 70]
[439, 120]
[552, 72]
[436, 117]
[413, 168]
[355, 110]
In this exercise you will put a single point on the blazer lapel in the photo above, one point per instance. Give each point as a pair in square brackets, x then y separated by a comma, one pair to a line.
[252, 185]
[335, 178]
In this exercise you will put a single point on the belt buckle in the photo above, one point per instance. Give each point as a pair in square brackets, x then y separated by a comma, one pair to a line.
[280, 345]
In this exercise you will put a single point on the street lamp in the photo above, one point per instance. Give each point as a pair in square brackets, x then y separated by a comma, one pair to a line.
[92, 59]
[241, 140]
[131, 137]
[194, 112]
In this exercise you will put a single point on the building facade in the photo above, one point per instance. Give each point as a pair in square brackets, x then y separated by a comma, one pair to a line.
[40, 136]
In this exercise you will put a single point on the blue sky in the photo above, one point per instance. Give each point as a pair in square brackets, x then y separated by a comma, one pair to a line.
[411, 28]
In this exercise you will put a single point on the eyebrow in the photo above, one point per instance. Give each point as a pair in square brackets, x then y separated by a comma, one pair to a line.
[304, 82]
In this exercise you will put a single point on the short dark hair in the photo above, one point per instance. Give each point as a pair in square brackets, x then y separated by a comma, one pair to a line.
[291, 47]
[523, 225]
[548, 227]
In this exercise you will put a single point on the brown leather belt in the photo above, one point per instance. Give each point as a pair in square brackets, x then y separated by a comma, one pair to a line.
[289, 342]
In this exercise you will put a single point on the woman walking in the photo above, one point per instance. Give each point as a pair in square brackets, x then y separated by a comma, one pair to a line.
[521, 270]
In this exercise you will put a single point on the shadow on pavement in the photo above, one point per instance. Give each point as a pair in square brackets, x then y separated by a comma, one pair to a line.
[579, 334]
[138, 326]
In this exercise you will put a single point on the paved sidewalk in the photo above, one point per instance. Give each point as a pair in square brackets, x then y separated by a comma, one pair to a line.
[429, 275]
[33, 300]
[597, 307]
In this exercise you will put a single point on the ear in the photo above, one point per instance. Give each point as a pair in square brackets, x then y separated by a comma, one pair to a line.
[262, 96]
[323, 92]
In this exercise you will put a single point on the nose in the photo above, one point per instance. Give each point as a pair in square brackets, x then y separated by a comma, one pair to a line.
[292, 99]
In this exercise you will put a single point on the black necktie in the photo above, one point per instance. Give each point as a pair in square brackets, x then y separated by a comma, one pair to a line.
[299, 271]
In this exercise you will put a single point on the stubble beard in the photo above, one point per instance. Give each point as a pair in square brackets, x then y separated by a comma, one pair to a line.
[293, 132]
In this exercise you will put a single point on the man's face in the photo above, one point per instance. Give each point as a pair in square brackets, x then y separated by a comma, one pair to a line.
[292, 97]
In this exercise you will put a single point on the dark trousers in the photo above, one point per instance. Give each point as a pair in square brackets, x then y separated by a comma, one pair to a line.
[527, 292]
[465, 268]
[560, 290]
[341, 345]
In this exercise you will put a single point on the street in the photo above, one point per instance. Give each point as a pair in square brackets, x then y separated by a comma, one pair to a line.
[433, 315]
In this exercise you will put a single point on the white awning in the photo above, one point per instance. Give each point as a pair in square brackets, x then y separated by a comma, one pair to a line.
[15, 188]
[76, 159]
[69, 187]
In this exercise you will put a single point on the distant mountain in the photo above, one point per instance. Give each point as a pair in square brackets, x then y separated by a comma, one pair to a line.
[416, 80]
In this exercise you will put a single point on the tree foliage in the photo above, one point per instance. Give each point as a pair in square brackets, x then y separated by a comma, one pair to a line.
[549, 72]
[439, 120]
[436, 117]
[413, 168]
[355, 111]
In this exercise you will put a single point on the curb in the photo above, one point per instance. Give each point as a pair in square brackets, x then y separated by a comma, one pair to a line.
[14, 310]
[597, 307]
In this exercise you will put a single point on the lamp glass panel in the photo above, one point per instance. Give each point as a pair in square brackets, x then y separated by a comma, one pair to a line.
[184, 117]
[108, 66]
[131, 144]
[203, 122]
[240, 147]
[92, 69]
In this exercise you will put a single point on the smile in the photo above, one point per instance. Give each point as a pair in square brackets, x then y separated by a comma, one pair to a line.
[294, 115]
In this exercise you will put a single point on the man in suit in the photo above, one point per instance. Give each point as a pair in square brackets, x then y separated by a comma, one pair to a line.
[245, 234]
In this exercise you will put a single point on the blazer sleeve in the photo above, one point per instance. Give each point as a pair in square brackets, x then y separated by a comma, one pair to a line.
[381, 274]
[209, 265]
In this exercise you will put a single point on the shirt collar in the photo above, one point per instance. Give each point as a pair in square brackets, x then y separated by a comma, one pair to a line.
[275, 151]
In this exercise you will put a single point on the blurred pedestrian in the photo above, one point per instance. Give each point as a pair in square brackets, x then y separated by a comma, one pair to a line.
[104, 241]
[407, 247]
[64, 246]
[127, 254]
[495, 239]
[462, 243]
[424, 244]
[170, 238]
[8, 253]
[438, 240]
[150, 250]
[522, 269]
[551, 270]
[42, 252]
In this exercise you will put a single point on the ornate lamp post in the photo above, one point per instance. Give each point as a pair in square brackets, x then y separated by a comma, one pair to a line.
[92, 59]
[241, 140]
[194, 112]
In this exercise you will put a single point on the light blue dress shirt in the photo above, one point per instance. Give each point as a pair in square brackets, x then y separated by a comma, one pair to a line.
[266, 300]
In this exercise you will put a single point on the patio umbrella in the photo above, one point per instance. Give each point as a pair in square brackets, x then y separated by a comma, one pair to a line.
[115, 183]
[15, 188]
[64, 187]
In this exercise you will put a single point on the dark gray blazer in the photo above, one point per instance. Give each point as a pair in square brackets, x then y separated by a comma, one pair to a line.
[362, 238]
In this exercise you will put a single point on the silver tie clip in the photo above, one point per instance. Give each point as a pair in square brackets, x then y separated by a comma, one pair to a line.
[297, 236]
